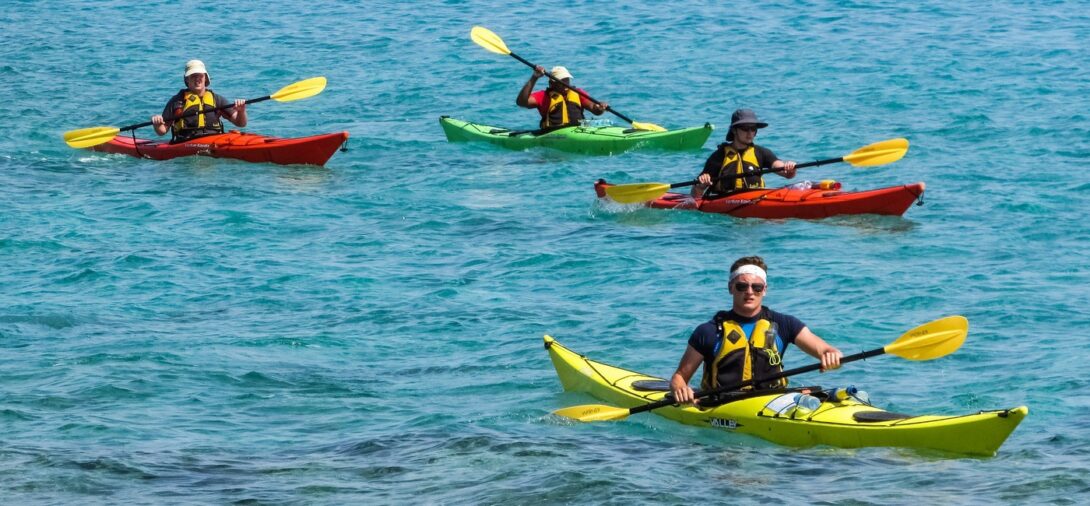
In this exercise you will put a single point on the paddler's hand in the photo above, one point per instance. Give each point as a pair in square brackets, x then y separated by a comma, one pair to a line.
[159, 124]
[788, 169]
[538, 71]
[683, 393]
[704, 178]
[237, 113]
[599, 107]
[830, 359]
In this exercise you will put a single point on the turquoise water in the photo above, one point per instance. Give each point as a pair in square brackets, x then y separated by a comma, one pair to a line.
[209, 331]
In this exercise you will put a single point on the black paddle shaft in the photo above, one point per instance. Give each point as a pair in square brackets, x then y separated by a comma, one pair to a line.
[742, 384]
[767, 171]
[191, 113]
[562, 83]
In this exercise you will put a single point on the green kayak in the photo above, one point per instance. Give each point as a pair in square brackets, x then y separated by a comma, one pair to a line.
[589, 140]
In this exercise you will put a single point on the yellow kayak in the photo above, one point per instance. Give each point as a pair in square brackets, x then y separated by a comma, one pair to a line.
[846, 423]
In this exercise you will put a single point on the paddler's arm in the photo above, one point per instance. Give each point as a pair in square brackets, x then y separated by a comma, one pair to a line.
[679, 382]
[785, 168]
[596, 107]
[524, 99]
[237, 114]
[711, 165]
[817, 347]
[159, 125]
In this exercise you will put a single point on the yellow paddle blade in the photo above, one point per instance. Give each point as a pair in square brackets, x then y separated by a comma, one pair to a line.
[593, 413]
[88, 137]
[636, 192]
[647, 126]
[931, 340]
[488, 40]
[879, 153]
[297, 91]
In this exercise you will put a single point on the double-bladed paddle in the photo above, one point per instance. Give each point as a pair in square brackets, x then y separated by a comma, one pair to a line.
[879, 153]
[492, 42]
[89, 137]
[928, 341]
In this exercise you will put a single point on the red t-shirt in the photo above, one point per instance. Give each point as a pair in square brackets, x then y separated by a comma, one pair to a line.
[543, 101]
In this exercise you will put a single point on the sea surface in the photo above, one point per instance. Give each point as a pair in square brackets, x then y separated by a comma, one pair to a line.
[216, 332]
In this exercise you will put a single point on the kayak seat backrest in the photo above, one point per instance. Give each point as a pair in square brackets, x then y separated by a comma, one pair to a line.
[878, 416]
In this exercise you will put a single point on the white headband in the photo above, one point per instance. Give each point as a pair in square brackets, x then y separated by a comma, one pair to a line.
[749, 269]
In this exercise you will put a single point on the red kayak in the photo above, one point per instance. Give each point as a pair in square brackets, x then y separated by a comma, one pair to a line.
[314, 150]
[811, 203]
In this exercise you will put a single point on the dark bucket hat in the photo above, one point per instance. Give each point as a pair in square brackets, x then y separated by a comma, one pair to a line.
[743, 117]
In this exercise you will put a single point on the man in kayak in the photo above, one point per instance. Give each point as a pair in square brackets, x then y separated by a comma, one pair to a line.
[748, 341]
[557, 105]
[735, 164]
[197, 97]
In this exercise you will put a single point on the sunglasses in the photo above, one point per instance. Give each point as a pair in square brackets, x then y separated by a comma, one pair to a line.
[741, 287]
[746, 128]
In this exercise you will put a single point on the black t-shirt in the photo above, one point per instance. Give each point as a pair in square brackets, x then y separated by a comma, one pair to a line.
[708, 335]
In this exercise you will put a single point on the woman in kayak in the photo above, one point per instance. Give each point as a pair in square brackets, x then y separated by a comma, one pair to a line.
[197, 97]
[558, 106]
[735, 164]
[748, 341]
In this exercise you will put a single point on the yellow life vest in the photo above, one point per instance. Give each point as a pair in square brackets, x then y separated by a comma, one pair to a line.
[741, 357]
[193, 126]
[737, 165]
[564, 108]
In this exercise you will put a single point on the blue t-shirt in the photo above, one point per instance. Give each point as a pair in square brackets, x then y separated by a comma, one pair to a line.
[708, 336]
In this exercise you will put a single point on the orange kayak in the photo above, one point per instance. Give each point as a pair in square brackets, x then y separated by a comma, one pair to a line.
[810, 203]
[314, 150]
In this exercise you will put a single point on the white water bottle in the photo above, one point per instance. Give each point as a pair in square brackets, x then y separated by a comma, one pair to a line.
[806, 404]
[801, 185]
